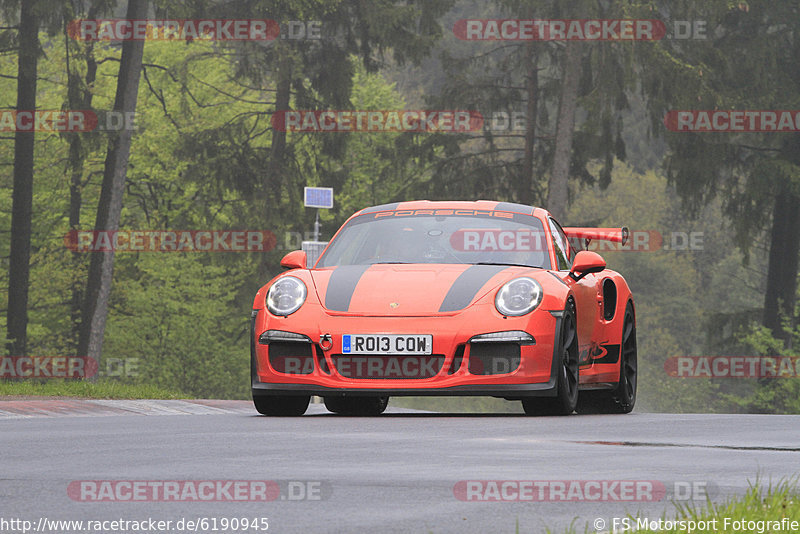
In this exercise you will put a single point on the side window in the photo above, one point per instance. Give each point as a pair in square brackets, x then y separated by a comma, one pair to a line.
[564, 253]
[576, 244]
[568, 245]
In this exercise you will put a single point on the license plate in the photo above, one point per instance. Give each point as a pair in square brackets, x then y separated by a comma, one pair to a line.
[387, 344]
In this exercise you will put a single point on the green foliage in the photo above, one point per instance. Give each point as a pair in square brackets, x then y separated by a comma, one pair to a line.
[101, 389]
[197, 162]
[174, 313]
[524, 79]
[765, 505]
[182, 316]
[375, 169]
[780, 394]
[674, 290]
[202, 155]
[756, 511]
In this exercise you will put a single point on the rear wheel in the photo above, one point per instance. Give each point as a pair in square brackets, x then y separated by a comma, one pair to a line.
[356, 405]
[567, 381]
[287, 405]
[622, 398]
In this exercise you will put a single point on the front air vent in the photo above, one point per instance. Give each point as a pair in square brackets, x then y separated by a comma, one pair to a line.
[493, 358]
[458, 357]
[291, 358]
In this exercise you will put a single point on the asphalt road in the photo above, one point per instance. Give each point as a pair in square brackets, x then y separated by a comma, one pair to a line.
[402, 472]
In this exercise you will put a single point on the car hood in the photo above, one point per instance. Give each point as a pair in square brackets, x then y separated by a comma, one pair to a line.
[407, 289]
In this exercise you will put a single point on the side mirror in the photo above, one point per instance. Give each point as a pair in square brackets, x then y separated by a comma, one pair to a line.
[294, 260]
[586, 262]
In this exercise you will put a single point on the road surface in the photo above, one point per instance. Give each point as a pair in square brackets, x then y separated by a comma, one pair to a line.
[405, 471]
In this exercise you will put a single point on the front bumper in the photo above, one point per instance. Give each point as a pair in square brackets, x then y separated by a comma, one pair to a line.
[510, 391]
[458, 370]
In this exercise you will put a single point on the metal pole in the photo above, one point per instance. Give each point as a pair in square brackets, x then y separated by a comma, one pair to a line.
[316, 227]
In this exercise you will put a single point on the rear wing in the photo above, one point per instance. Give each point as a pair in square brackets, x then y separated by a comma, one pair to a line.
[616, 235]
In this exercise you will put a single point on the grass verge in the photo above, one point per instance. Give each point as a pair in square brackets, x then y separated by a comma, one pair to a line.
[82, 389]
[774, 509]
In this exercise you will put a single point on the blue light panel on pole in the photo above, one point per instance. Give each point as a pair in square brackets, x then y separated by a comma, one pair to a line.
[318, 197]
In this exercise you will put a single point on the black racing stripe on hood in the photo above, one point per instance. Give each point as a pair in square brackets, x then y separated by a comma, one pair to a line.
[467, 286]
[341, 285]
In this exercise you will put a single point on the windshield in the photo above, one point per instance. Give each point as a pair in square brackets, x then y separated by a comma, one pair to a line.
[401, 237]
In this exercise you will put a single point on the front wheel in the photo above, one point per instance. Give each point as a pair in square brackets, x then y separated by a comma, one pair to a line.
[286, 405]
[622, 398]
[356, 405]
[567, 380]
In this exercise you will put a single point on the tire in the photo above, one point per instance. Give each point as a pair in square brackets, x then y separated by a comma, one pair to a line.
[363, 406]
[622, 398]
[568, 372]
[281, 405]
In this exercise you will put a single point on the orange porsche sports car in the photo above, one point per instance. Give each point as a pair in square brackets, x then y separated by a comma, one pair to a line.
[447, 298]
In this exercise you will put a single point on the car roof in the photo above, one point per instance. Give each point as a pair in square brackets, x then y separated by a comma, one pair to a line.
[491, 205]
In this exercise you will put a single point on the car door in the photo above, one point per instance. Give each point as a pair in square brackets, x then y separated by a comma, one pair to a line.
[587, 306]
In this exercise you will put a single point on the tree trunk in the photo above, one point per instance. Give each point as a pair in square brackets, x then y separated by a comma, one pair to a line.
[528, 173]
[275, 180]
[557, 191]
[282, 101]
[80, 97]
[784, 247]
[22, 198]
[101, 267]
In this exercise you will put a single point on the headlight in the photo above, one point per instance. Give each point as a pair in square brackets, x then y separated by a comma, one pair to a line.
[286, 296]
[510, 336]
[518, 297]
